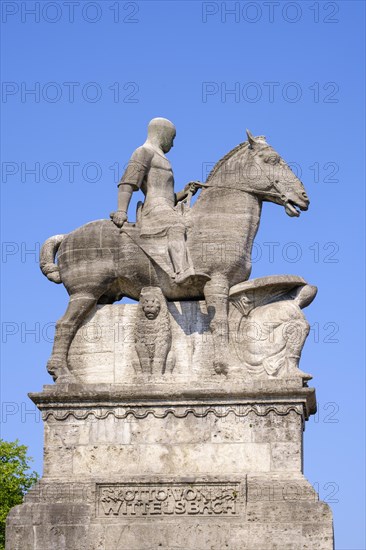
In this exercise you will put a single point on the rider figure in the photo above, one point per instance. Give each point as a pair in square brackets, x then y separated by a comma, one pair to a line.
[150, 171]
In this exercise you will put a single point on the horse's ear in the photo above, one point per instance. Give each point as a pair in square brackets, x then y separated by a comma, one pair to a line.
[251, 138]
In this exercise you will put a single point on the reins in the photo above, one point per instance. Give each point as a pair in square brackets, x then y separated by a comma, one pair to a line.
[253, 191]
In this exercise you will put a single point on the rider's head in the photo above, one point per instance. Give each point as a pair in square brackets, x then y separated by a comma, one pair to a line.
[161, 132]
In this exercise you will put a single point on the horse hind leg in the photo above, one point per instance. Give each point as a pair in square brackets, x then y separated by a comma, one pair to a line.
[80, 305]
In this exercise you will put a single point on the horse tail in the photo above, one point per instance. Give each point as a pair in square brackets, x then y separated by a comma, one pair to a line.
[47, 258]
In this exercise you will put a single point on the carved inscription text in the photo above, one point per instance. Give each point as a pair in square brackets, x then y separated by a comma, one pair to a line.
[146, 499]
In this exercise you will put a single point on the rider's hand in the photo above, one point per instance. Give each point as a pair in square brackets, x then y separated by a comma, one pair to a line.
[192, 187]
[118, 218]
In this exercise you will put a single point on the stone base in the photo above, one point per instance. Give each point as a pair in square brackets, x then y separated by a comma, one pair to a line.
[212, 467]
[289, 519]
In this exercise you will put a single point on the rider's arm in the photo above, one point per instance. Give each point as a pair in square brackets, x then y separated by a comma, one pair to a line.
[131, 181]
[180, 196]
[124, 196]
[191, 187]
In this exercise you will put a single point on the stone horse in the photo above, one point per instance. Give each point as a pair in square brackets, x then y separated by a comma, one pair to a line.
[98, 263]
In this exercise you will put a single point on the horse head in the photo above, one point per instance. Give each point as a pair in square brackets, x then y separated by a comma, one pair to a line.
[268, 175]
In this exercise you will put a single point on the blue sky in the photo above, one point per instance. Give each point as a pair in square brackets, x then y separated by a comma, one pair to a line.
[290, 70]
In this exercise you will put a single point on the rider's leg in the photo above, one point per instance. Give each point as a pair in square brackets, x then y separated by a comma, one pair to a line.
[178, 253]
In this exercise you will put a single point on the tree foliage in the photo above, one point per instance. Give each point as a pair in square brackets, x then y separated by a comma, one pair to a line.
[16, 478]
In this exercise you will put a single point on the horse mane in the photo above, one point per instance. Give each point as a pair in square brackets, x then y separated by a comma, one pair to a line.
[226, 158]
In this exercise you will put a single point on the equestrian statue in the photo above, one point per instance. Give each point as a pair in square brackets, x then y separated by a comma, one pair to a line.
[172, 245]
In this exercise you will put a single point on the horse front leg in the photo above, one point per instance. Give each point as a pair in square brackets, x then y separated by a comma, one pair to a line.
[79, 307]
[216, 293]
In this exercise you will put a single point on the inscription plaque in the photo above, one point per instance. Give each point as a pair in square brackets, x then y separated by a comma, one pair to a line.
[146, 499]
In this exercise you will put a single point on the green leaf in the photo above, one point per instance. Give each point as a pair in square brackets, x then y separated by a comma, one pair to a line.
[16, 478]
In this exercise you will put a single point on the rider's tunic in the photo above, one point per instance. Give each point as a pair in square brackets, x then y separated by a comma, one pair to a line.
[152, 173]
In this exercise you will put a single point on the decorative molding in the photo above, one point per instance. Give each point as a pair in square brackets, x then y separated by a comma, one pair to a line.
[179, 411]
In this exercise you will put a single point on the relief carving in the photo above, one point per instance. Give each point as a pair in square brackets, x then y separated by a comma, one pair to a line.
[153, 337]
[204, 499]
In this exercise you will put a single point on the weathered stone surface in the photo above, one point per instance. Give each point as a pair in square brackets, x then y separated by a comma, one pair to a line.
[153, 335]
[119, 362]
[178, 422]
[208, 468]
[104, 348]
[190, 253]
[273, 329]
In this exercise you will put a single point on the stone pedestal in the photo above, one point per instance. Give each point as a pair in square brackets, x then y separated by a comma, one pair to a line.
[137, 470]
[184, 460]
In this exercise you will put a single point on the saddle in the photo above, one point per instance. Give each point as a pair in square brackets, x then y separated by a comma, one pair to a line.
[155, 247]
